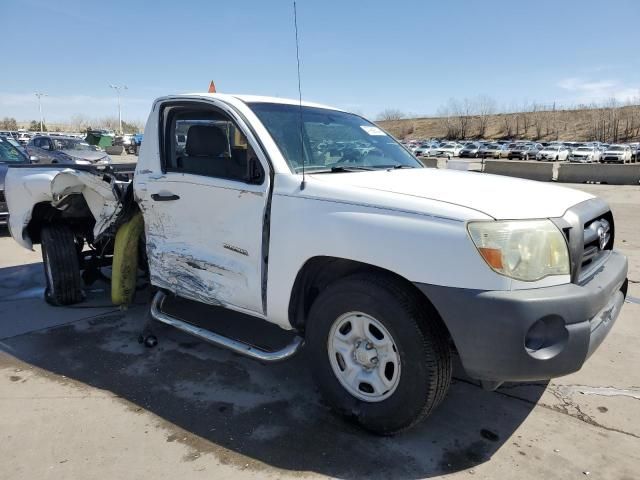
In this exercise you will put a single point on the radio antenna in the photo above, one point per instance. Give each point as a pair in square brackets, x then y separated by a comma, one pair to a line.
[295, 23]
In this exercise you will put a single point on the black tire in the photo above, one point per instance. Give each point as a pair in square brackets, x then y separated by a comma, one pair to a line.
[61, 266]
[420, 338]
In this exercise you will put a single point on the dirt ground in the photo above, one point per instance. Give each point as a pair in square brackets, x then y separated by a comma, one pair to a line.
[80, 398]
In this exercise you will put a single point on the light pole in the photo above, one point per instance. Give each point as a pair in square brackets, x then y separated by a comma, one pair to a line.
[118, 89]
[40, 95]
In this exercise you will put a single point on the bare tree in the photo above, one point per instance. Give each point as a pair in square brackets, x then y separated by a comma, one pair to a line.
[9, 123]
[450, 126]
[79, 123]
[391, 114]
[507, 124]
[461, 111]
[484, 107]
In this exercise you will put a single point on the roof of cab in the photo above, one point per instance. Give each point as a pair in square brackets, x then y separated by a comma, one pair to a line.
[251, 99]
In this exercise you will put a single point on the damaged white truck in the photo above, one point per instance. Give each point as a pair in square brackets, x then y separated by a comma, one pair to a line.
[318, 221]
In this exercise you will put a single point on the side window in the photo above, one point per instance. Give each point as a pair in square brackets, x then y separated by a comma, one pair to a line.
[202, 141]
[42, 143]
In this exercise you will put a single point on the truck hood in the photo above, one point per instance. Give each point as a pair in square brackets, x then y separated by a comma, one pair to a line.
[497, 196]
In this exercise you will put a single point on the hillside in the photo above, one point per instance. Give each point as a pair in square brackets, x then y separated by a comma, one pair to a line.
[619, 124]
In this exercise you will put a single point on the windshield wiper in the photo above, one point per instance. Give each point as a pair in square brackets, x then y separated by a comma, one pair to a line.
[343, 169]
[395, 167]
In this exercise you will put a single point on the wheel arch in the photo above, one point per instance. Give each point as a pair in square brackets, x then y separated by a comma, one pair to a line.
[320, 271]
[75, 212]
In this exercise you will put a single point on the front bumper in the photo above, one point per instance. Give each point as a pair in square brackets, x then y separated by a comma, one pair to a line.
[492, 330]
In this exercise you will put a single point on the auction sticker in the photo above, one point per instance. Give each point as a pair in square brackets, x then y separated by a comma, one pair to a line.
[372, 130]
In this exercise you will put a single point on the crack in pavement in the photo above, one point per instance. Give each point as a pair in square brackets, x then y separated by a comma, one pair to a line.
[630, 392]
[567, 404]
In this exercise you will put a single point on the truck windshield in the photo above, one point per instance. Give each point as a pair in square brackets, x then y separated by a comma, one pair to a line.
[330, 139]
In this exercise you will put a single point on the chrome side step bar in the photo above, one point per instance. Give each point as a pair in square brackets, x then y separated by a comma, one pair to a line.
[221, 341]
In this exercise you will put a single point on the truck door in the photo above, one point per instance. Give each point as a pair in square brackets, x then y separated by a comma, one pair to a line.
[204, 207]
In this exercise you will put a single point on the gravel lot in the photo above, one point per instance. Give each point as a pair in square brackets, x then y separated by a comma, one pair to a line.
[80, 398]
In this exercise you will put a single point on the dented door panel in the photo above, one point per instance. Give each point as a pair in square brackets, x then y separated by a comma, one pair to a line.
[206, 245]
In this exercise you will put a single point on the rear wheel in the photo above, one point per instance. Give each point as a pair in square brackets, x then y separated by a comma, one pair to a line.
[379, 357]
[61, 265]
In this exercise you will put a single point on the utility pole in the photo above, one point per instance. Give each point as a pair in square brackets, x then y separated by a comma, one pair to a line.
[118, 89]
[40, 95]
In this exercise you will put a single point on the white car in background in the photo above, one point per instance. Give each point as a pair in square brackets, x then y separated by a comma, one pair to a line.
[617, 154]
[449, 150]
[554, 153]
[586, 154]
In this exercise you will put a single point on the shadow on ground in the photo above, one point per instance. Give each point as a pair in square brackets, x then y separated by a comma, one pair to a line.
[253, 414]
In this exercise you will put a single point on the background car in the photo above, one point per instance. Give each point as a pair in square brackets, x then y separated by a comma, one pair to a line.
[449, 150]
[24, 137]
[425, 149]
[617, 154]
[555, 152]
[48, 149]
[585, 154]
[493, 150]
[470, 150]
[523, 152]
[9, 154]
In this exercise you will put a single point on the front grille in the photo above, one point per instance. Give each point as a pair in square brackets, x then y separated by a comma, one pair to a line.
[597, 241]
[2, 199]
[583, 226]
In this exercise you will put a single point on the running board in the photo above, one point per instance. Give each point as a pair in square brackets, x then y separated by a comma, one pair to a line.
[221, 341]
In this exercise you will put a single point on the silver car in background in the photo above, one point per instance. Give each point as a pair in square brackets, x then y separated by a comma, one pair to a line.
[65, 149]
[493, 150]
[470, 150]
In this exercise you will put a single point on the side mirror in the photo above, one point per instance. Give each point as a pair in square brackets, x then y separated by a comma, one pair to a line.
[256, 172]
[34, 159]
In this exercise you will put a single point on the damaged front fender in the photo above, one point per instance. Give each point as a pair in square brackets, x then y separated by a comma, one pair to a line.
[27, 187]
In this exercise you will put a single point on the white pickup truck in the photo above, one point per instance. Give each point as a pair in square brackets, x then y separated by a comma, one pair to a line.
[318, 221]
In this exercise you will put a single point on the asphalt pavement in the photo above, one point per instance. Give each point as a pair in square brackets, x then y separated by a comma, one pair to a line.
[80, 398]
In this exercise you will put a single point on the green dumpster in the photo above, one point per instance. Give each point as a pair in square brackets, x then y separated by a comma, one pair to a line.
[98, 139]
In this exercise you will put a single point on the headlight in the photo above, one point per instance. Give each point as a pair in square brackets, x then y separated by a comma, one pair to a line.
[80, 161]
[522, 249]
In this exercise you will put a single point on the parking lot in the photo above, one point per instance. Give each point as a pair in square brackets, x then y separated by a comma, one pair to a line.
[80, 398]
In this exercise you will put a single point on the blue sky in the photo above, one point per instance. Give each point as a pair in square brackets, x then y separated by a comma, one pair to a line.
[360, 55]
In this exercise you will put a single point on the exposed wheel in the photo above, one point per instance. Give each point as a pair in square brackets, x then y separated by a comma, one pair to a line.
[61, 265]
[378, 356]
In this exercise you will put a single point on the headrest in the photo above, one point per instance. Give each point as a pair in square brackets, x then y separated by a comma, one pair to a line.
[205, 141]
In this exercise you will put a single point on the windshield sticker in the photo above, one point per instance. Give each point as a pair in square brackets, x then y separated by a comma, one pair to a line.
[372, 130]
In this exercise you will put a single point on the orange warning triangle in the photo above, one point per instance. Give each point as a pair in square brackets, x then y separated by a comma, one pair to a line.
[212, 87]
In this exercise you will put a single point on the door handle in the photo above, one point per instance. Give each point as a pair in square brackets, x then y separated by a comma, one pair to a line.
[164, 198]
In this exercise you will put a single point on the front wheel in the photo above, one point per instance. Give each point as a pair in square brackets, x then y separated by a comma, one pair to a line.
[61, 265]
[378, 354]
